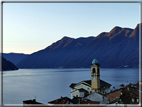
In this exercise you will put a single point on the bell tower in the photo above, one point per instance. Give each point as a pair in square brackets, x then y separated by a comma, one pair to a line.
[95, 76]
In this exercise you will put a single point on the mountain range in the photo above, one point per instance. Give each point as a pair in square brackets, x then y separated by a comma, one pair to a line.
[117, 48]
[15, 58]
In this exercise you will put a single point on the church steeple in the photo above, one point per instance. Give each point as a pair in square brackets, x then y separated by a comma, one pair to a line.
[95, 76]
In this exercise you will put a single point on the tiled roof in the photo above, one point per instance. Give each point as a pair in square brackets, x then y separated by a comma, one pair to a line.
[133, 91]
[62, 100]
[103, 83]
[115, 91]
[125, 91]
[114, 94]
[88, 82]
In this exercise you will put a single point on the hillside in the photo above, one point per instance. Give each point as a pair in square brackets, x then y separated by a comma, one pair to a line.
[117, 48]
[7, 65]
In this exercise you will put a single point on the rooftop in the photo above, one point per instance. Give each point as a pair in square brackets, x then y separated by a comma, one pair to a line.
[62, 100]
[95, 61]
[103, 83]
[31, 102]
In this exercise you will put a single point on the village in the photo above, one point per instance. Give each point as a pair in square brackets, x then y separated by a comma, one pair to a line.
[96, 92]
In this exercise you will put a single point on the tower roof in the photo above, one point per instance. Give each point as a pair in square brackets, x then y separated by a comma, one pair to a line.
[95, 61]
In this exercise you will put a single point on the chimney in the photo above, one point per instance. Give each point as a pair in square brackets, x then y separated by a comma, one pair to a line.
[121, 85]
[113, 88]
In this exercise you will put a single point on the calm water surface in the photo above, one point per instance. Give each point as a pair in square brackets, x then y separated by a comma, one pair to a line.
[49, 84]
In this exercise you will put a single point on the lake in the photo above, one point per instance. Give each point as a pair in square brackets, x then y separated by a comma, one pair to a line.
[49, 84]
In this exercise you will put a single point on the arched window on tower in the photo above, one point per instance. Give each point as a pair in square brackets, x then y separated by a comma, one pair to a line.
[94, 71]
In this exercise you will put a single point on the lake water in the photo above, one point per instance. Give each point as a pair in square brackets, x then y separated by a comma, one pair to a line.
[49, 84]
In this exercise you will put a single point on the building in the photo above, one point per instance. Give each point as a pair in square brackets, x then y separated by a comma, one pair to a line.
[133, 92]
[114, 96]
[62, 100]
[75, 100]
[33, 103]
[87, 87]
[124, 95]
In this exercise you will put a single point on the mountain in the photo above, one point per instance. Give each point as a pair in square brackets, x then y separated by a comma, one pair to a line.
[15, 58]
[117, 48]
[7, 65]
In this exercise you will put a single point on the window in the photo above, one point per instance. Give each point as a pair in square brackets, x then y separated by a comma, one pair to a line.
[137, 100]
[94, 71]
[98, 71]
[132, 100]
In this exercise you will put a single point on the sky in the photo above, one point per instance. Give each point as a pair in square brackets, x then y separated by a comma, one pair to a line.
[30, 27]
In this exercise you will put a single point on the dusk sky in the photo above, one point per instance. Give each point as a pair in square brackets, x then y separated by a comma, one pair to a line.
[29, 27]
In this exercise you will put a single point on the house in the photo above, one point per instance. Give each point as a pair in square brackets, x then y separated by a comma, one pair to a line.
[33, 103]
[124, 95]
[62, 100]
[114, 96]
[134, 93]
[75, 100]
[87, 87]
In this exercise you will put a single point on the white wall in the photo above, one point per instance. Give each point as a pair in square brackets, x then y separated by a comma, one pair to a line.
[75, 92]
[87, 88]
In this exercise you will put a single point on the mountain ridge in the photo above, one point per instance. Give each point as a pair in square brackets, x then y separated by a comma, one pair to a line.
[15, 58]
[110, 48]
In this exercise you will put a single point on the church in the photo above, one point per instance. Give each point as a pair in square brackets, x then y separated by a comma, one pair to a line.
[95, 85]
